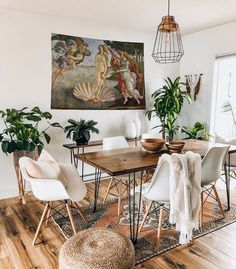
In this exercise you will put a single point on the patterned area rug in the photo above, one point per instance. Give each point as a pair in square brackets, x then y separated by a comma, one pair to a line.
[106, 216]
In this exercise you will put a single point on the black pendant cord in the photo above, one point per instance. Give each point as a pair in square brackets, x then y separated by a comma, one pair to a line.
[168, 7]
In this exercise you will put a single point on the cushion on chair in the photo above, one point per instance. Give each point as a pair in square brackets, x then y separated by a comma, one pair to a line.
[97, 248]
[45, 169]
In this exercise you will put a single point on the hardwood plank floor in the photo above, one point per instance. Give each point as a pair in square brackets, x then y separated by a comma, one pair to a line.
[18, 224]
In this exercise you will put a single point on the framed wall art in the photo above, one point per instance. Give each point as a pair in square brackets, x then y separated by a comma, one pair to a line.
[96, 74]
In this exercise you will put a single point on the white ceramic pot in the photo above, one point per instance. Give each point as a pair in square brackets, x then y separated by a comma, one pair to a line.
[137, 123]
[130, 130]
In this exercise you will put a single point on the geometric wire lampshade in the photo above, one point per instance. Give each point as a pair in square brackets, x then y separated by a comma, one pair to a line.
[168, 47]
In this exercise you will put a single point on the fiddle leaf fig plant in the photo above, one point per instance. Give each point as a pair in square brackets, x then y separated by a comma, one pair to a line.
[80, 130]
[168, 103]
[22, 130]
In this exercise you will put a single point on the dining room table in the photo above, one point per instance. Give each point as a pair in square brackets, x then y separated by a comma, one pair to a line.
[135, 161]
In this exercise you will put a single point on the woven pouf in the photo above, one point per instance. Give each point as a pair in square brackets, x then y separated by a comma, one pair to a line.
[97, 249]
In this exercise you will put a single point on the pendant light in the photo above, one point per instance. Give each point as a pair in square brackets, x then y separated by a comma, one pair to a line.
[168, 47]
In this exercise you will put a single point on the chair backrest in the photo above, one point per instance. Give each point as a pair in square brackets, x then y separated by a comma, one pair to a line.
[43, 189]
[22, 165]
[159, 188]
[212, 164]
[115, 142]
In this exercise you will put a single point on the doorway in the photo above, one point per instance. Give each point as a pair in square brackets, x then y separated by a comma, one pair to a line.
[223, 113]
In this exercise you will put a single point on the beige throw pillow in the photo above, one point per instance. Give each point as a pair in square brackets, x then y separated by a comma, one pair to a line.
[45, 169]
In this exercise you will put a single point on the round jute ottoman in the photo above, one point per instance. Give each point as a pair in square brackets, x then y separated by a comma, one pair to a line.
[97, 248]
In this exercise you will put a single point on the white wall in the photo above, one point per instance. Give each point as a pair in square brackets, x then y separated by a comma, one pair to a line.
[25, 76]
[201, 49]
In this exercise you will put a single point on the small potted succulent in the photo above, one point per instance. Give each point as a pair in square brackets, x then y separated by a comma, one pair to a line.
[80, 130]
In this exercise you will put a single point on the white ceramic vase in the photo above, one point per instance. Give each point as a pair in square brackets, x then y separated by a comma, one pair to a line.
[137, 123]
[130, 130]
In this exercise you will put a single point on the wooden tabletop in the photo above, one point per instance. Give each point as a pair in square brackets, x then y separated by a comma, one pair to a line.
[121, 161]
[129, 160]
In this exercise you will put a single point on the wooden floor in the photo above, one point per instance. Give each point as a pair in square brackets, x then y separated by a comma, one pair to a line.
[18, 224]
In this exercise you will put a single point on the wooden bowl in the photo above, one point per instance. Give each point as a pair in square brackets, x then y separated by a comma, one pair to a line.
[152, 144]
[175, 146]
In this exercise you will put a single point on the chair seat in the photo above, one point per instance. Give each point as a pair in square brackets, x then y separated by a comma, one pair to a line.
[97, 248]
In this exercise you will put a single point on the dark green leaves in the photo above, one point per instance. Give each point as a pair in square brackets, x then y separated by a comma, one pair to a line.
[79, 128]
[168, 103]
[56, 124]
[21, 129]
[47, 137]
[198, 131]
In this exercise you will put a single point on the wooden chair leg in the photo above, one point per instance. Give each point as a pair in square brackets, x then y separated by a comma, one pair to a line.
[201, 211]
[235, 173]
[108, 190]
[70, 217]
[159, 227]
[218, 200]
[40, 223]
[49, 212]
[80, 212]
[145, 216]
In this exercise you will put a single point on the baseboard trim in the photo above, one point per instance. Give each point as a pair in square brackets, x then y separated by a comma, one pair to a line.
[8, 193]
[11, 192]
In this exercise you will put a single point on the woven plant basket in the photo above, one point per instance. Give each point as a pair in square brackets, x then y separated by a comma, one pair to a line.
[24, 153]
[16, 156]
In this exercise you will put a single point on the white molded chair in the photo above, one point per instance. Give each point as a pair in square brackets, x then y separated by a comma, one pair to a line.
[109, 143]
[51, 190]
[157, 191]
[212, 165]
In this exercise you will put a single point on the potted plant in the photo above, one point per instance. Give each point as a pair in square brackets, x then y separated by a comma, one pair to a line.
[22, 132]
[168, 102]
[80, 130]
[22, 136]
[198, 131]
[171, 128]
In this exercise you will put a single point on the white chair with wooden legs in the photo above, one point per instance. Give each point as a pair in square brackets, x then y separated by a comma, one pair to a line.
[52, 190]
[212, 165]
[157, 192]
[109, 143]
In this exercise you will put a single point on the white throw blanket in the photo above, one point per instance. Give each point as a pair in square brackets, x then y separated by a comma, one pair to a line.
[185, 190]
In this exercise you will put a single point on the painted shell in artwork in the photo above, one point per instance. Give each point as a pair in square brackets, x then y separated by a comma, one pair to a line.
[88, 92]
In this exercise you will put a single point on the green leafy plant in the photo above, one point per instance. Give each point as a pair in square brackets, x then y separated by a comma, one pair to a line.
[170, 127]
[198, 131]
[79, 131]
[22, 129]
[168, 102]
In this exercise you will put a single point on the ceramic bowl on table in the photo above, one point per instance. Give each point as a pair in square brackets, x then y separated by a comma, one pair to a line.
[152, 144]
[175, 146]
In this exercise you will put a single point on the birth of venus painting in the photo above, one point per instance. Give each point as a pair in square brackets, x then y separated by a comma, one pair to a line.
[96, 74]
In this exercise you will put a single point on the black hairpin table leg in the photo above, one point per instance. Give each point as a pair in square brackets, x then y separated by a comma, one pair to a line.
[227, 184]
[134, 215]
[97, 185]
